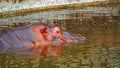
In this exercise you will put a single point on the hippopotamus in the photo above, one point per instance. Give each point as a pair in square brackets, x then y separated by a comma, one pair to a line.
[38, 34]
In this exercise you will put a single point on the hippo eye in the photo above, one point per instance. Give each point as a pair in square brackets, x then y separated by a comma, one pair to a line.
[45, 30]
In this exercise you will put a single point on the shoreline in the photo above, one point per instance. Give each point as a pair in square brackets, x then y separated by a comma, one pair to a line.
[23, 12]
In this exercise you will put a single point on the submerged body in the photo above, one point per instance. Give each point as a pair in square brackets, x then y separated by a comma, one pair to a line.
[21, 36]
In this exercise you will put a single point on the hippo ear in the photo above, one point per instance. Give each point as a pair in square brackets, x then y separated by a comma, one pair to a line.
[51, 25]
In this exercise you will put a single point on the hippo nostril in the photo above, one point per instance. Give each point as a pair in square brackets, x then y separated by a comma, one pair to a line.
[58, 31]
[82, 38]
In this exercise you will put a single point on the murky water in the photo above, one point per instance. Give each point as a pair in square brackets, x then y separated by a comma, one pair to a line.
[101, 49]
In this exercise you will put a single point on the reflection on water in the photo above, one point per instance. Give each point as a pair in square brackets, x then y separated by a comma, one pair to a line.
[101, 49]
[34, 52]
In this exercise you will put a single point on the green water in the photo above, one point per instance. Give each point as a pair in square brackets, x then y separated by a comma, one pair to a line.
[101, 49]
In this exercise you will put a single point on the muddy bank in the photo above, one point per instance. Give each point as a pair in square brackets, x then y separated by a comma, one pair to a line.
[23, 12]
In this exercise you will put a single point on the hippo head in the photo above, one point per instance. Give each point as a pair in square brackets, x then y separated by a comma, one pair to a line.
[58, 36]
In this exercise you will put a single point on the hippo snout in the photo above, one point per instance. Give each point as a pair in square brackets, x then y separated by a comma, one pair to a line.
[74, 37]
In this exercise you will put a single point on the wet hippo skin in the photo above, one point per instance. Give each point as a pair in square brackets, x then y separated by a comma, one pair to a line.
[40, 36]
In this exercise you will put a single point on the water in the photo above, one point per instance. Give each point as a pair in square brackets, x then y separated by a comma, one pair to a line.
[101, 49]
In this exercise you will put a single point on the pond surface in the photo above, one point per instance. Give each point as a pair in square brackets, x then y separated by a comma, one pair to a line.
[101, 49]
